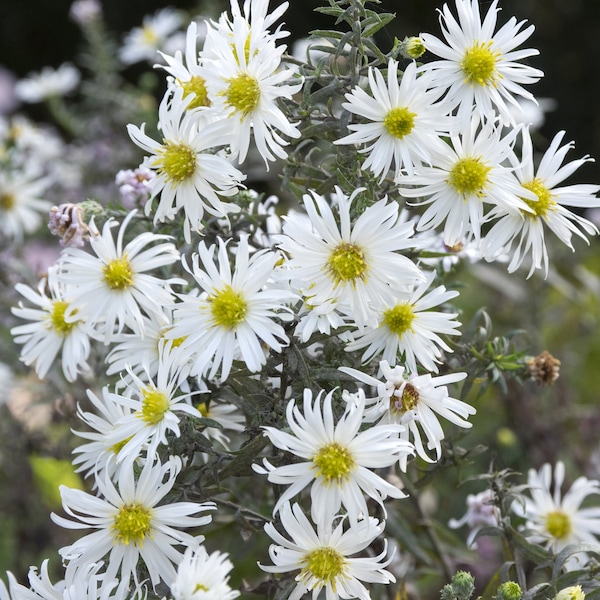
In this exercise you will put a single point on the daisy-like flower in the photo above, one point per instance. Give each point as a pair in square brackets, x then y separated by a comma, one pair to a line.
[21, 204]
[226, 415]
[523, 231]
[111, 288]
[479, 67]
[481, 512]
[414, 401]
[49, 82]
[49, 331]
[188, 174]
[87, 584]
[405, 125]
[130, 524]
[97, 457]
[236, 310]
[407, 328]
[338, 458]
[325, 557]
[358, 265]
[143, 43]
[203, 576]
[246, 81]
[153, 405]
[470, 174]
[557, 520]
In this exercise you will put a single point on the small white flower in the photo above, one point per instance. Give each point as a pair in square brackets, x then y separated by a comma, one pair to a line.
[414, 401]
[555, 520]
[479, 66]
[325, 558]
[338, 458]
[110, 288]
[188, 174]
[405, 125]
[523, 231]
[356, 265]
[49, 82]
[226, 415]
[236, 311]
[143, 43]
[50, 331]
[203, 576]
[407, 328]
[481, 512]
[130, 525]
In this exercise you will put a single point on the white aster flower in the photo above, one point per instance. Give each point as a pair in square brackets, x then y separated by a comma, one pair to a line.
[130, 525]
[468, 176]
[97, 456]
[246, 81]
[154, 405]
[555, 520]
[479, 67]
[203, 576]
[523, 232]
[404, 123]
[356, 265]
[481, 512]
[339, 459]
[21, 204]
[226, 415]
[236, 311]
[414, 401]
[47, 83]
[111, 287]
[322, 317]
[325, 558]
[49, 331]
[143, 43]
[188, 174]
[407, 329]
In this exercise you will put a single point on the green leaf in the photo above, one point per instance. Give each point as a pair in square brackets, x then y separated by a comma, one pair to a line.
[373, 24]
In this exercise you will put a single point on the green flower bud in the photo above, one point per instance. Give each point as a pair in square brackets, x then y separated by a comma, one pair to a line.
[509, 591]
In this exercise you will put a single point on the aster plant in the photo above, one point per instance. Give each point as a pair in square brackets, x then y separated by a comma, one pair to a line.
[307, 366]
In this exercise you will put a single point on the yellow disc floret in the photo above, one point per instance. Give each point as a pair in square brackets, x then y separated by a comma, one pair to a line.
[118, 274]
[399, 319]
[132, 524]
[347, 263]
[228, 308]
[399, 122]
[479, 64]
[558, 524]
[196, 85]
[544, 202]
[334, 463]
[154, 405]
[177, 162]
[243, 93]
[7, 201]
[57, 318]
[325, 564]
[469, 176]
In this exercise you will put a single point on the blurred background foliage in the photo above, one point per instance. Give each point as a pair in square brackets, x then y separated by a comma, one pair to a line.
[521, 429]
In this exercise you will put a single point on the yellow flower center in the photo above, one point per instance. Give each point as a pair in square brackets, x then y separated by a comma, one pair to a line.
[333, 463]
[558, 524]
[399, 122]
[149, 35]
[154, 405]
[203, 409]
[57, 318]
[228, 308]
[479, 64]
[347, 263]
[176, 161]
[399, 318]
[116, 448]
[132, 524]
[243, 93]
[469, 176]
[407, 401]
[118, 273]
[196, 85]
[200, 587]
[7, 201]
[325, 564]
[544, 202]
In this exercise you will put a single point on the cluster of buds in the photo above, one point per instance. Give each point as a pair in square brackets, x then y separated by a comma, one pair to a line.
[66, 221]
[544, 368]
